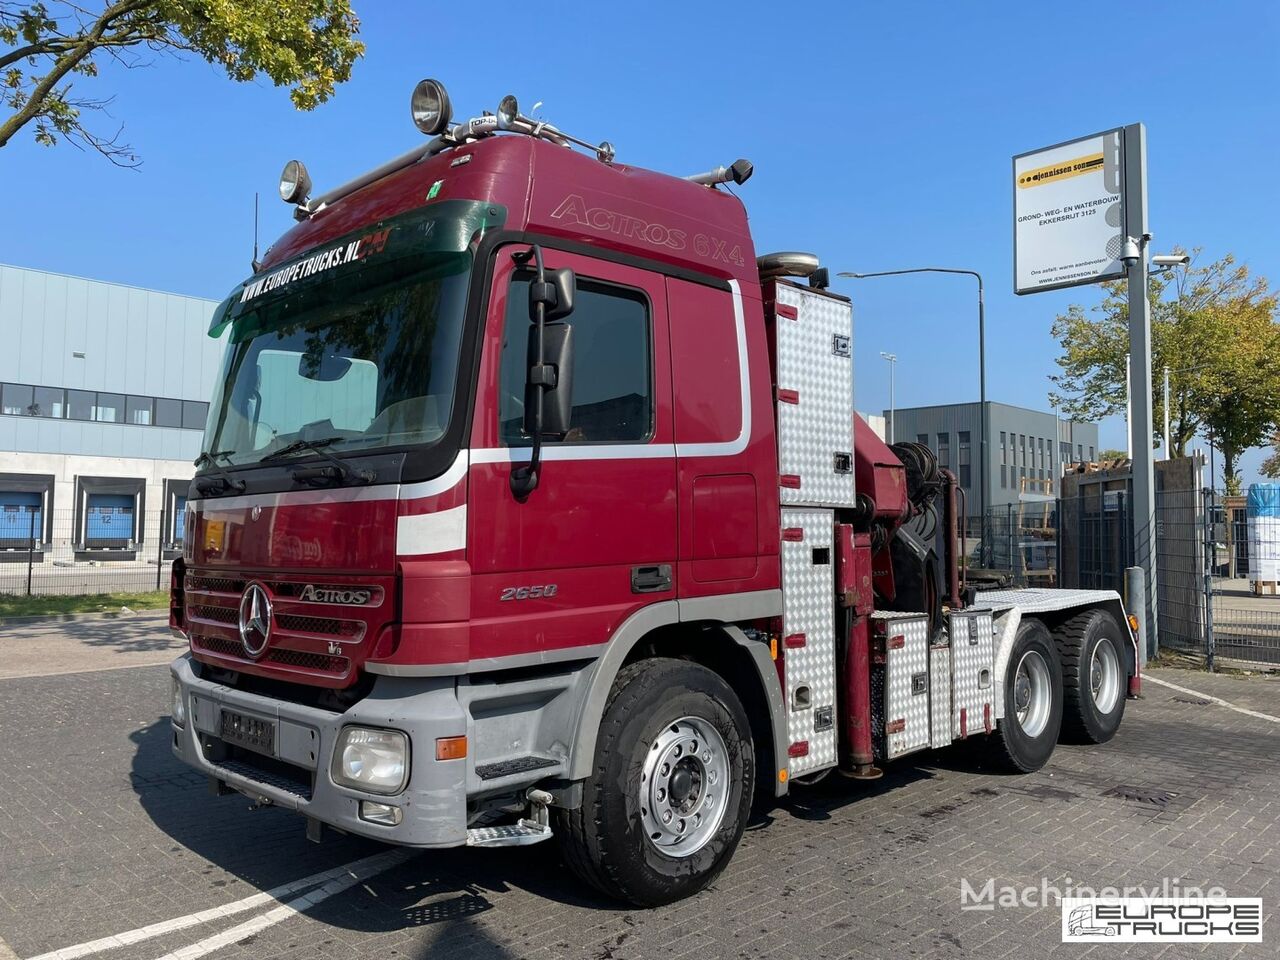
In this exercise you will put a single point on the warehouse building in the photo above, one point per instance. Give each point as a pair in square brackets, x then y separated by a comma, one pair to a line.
[103, 398]
[1026, 449]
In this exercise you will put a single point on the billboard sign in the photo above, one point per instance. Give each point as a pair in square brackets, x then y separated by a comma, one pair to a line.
[1068, 213]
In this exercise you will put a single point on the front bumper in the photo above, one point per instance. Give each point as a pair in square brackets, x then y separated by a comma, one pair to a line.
[434, 802]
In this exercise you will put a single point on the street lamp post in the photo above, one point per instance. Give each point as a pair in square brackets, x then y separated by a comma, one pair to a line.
[982, 366]
[893, 364]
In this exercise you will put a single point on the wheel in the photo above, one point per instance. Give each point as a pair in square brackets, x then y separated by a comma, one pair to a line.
[670, 789]
[1093, 676]
[1025, 737]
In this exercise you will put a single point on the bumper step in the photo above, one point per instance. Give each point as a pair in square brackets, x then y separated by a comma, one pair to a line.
[532, 829]
[507, 768]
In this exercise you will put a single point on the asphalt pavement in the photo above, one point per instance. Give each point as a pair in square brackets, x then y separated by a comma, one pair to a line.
[109, 848]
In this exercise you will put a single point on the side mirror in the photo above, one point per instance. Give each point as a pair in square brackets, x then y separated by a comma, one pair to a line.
[557, 396]
[556, 292]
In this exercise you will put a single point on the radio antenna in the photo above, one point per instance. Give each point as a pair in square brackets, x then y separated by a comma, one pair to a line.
[254, 263]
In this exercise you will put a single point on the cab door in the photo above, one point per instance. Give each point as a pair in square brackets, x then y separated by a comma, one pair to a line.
[596, 540]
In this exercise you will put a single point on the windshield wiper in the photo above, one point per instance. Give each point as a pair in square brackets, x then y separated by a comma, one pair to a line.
[223, 481]
[337, 469]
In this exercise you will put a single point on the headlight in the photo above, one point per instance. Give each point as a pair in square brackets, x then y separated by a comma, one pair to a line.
[295, 182]
[376, 761]
[179, 702]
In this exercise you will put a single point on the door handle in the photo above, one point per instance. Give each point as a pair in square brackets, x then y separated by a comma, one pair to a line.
[652, 579]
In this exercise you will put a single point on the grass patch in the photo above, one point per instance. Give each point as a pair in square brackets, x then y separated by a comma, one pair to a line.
[45, 606]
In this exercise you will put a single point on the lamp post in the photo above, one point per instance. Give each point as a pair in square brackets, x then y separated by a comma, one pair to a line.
[893, 364]
[982, 366]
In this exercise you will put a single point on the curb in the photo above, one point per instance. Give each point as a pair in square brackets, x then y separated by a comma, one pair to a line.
[76, 617]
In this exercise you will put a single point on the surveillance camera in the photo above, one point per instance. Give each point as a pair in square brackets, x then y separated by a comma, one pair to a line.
[1171, 260]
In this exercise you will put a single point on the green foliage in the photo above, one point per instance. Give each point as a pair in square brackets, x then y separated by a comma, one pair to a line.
[1271, 465]
[44, 606]
[1213, 326]
[1112, 455]
[306, 45]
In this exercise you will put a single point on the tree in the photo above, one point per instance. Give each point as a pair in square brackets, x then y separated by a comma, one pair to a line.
[1213, 326]
[1271, 465]
[307, 45]
[1112, 455]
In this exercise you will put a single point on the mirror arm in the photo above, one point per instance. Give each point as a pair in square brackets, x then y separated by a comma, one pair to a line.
[524, 479]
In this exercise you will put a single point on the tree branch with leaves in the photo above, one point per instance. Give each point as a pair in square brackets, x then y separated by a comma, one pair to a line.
[1214, 326]
[48, 48]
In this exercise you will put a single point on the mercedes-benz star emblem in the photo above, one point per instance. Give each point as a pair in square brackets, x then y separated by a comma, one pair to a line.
[255, 619]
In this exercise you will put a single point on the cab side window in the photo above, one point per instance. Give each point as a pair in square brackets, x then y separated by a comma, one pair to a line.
[612, 365]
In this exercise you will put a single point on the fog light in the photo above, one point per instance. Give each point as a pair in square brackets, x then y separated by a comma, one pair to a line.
[383, 813]
[178, 705]
[295, 182]
[372, 760]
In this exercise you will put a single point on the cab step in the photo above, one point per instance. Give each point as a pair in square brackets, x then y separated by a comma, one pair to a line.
[532, 829]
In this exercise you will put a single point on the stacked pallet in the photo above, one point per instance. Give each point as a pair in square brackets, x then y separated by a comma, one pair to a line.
[1262, 512]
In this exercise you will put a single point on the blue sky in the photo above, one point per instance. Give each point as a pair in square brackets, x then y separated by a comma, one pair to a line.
[881, 136]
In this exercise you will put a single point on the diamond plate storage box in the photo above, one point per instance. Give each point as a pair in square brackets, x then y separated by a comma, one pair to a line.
[973, 670]
[900, 654]
[808, 636]
[812, 334]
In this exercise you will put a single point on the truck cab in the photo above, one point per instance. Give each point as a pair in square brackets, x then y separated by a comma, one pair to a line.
[523, 481]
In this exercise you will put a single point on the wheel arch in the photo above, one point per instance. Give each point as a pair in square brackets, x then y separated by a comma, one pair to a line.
[1008, 621]
[722, 647]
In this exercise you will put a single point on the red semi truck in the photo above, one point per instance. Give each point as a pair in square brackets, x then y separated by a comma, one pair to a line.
[533, 503]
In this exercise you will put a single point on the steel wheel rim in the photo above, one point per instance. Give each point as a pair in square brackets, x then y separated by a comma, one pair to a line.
[683, 786]
[1032, 693]
[1104, 676]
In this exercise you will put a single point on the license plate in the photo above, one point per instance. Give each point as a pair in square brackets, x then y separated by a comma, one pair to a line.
[252, 733]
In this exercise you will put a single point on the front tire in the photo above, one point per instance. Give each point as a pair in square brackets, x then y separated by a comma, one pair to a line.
[1094, 676]
[1028, 732]
[670, 789]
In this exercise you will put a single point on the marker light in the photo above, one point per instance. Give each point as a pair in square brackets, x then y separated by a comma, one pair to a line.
[430, 107]
[295, 182]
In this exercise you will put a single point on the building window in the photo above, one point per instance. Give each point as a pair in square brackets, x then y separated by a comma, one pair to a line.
[963, 471]
[168, 413]
[15, 399]
[944, 450]
[49, 402]
[922, 439]
[1064, 451]
[80, 404]
[1091, 453]
[138, 410]
[612, 366]
[1004, 477]
[194, 414]
[1004, 456]
[109, 408]
[1080, 451]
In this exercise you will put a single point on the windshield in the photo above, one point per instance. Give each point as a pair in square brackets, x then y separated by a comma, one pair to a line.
[353, 347]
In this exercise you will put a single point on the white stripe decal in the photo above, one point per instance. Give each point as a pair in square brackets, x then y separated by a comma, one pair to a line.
[456, 473]
[437, 532]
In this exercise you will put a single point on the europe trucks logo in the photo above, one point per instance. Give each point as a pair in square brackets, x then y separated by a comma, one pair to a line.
[1162, 920]
[335, 256]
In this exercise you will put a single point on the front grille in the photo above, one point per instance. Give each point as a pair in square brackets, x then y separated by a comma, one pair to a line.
[219, 645]
[218, 614]
[308, 661]
[216, 584]
[325, 625]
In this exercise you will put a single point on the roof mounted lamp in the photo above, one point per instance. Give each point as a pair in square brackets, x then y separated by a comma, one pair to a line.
[295, 183]
[430, 107]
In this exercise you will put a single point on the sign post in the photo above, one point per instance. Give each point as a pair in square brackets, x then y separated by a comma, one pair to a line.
[1080, 216]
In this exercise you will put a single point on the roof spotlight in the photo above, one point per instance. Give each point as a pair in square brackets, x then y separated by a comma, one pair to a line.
[295, 182]
[430, 107]
[508, 110]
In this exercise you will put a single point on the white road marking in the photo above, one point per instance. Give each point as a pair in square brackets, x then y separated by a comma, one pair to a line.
[358, 870]
[290, 909]
[77, 671]
[1212, 699]
[5, 952]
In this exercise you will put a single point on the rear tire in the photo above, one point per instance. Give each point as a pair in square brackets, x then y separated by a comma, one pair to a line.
[1025, 737]
[1094, 677]
[670, 789]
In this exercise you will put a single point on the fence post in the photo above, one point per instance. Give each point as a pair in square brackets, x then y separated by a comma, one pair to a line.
[31, 549]
[1210, 551]
[159, 548]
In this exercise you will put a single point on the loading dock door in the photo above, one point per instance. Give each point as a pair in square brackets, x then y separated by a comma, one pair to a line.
[109, 521]
[20, 514]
